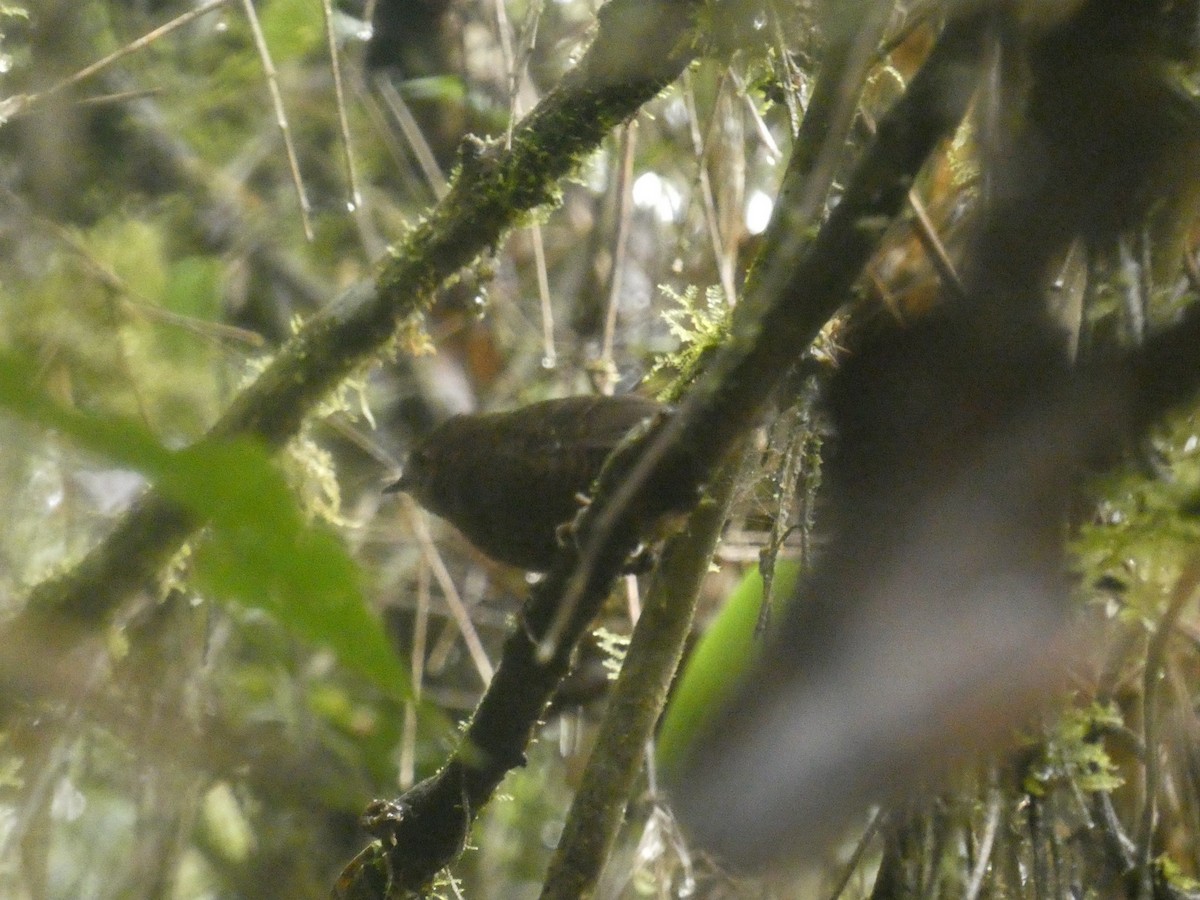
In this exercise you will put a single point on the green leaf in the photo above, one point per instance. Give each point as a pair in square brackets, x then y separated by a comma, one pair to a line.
[292, 29]
[720, 658]
[261, 552]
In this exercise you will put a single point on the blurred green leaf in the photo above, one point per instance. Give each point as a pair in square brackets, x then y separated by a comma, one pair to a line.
[261, 552]
[440, 88]
[292, 29]
[132, 248]
[194, 287]
[717, 663]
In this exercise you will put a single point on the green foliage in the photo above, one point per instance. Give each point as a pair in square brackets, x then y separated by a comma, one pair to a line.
[260, 551]
[293, 29]
[217, 122]
[225, 825]
[1072, 753]
[109, 341]
[1173, 875]
[700, 328]
[189, 212]
[440, 88]
[193, 287]
[1146, 530]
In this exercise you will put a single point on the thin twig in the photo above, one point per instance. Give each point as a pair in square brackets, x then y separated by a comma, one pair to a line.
[268, 64]
[22, 103]
[860, 850]
[764, 133]
[133, 301]
[1185, 590]
[991, 820]
[606, 365]
[504, 31]
[339, 94]
[458, 609]
[408, 741]
[513, 69]
[118, 97]
[529, 30]
[1133, 291]
[791, 73]
[373, 104]
[928, 237]
[786, 484]
[549, 354]
[412, 133]
[1122, 847]
[708, 203]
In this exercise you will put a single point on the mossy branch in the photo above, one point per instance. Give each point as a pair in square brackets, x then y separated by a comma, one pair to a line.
[639, 695]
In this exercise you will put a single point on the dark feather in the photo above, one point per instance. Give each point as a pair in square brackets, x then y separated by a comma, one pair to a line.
[508, 480]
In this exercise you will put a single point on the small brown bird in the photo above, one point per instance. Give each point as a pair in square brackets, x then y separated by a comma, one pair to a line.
[509, 480]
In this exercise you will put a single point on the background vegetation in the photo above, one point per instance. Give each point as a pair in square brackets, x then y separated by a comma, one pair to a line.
[219, 731]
